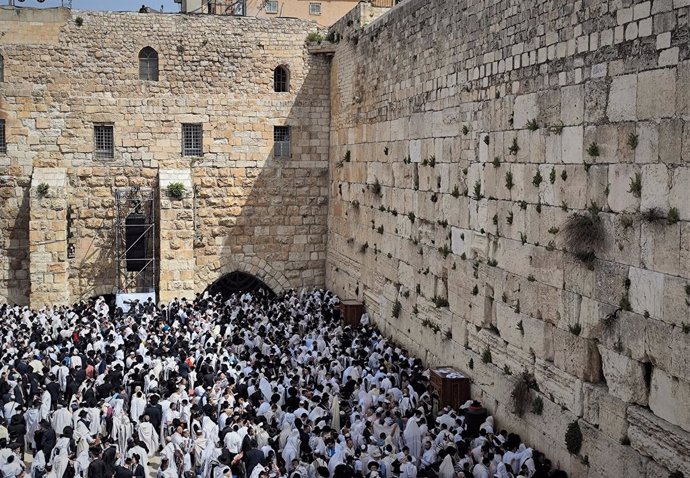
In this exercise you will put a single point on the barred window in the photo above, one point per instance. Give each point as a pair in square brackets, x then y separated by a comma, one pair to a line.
[272, 6]
[103, 140]
[3, 144]
[148, 64]
[192, 139]
[2, 68]
[314, 9]
[281, 141]
[280, 80]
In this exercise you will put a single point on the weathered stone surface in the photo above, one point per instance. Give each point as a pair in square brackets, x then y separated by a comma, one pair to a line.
[666, 444]
[667, 398]
[625, 377]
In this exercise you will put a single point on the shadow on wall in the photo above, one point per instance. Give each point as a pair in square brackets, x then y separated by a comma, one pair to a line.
[269, 219]
[15, 270]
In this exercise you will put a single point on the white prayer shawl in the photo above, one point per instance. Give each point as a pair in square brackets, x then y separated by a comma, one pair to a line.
[59, 457]
[143, 457]
[82, 437]
[45, 405]
[136, 408]
[408, 470]
[291, 450]
[335, 413]
[413, 438]
[31, 417]
[446, 470]
[61, 418]
[169, 453]
[149, 435]
[209, 428]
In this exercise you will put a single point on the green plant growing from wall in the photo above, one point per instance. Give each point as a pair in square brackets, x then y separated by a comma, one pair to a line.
[556, 128]
[477, 194]
[456, 192]
[496, 162]
[376, 187]
[636, 185]
[564, 175]
[514, 147]
[583, 234]
[537, 179]
[347, 157]
[532, 125]
[42, 189]
[315, 37]
[509, 180]
[411, 216]
[397, 307]
[552, 176]
[673, 216]
[573, 438]
[509, 218]
[486, 355]
[486, 140]
[520, 394]
[575, 329]
[633, 140]
[176, 190]
[465, 130]
[593, 150]
[537, 406]
[79, 21]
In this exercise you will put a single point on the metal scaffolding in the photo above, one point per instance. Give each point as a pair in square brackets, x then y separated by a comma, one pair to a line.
[136, 264]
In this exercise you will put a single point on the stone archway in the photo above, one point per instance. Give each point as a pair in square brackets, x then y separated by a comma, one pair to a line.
[238, 282]
[209, 274]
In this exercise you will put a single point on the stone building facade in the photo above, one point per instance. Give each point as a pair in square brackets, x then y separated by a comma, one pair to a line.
[463, 136]
[436, 161]
[246, 210]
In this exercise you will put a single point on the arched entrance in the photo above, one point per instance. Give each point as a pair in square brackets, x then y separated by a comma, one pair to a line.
[238, 282]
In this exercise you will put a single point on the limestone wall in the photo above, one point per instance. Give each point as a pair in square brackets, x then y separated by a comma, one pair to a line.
[464, 134]
[248, 211]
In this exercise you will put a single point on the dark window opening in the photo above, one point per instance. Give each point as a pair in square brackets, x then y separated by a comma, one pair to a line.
[280, 80]
[192, 139]
[104, 141]
[3, 143]
[148, 64]
[281, 141]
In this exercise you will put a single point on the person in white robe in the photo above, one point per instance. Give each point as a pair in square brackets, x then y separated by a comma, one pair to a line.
[148, 435]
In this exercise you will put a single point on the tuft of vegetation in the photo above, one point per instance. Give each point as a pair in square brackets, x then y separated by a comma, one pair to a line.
[564, 175]
[573, 438]
[363, 248]
[520, 395]
[553, 230]
[531, 278]
[465, 130]
[477, 193]
[486, 140]
[514, 148]
[537, 179]
[532, 125]
[456, 192]
[42, 189]
[552, 176]
[509, 180]
[176, 190]
[475, 290]
[440, 302]
[653, 215]
[380, 229]
[486, 355]
[633, 140]
[523, 238]
[470, 364]
[627, 220]
[315, 37]
[376, 187]
[537, 406]
[496, 162]
[636, 185]
[444, 251]
[610, 319]
[583, 235]
[79, 21]
[575, 329]
[355, 204]
[411, 217]
[397, 307]
[673, 215]
[509, 218]
[347, 157]
[593, 150]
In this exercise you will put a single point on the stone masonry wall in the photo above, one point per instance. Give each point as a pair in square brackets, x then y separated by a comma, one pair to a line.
[464, 134]
[65, 71]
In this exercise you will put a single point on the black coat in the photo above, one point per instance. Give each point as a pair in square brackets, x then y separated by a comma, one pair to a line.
[123, 472]
[48, 441]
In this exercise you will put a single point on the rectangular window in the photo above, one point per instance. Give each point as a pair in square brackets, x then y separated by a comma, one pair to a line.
[3, 144]
[281, 141]
[272, 6]
[239, 9]
[192, 139]
[314, 9]
[103, 141]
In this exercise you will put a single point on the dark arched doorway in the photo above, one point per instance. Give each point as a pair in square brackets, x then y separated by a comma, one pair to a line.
[235, 282]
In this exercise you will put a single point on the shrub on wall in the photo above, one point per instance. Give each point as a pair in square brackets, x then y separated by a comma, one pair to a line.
[573, 438]
[176, 190]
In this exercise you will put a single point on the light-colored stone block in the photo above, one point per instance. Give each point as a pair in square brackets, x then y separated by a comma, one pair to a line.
[624, 377]
[572, 144]
[622, 105]
[668, 398]
[655, 187]
[646, 292]
[665, 443]
[656, 93]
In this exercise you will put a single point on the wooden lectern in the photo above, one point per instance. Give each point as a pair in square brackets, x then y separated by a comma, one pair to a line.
[452, 386]
[351, 311]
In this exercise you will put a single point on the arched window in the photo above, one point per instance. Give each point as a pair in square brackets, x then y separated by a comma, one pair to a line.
[148, 64]
[281, 83]
[2, 68]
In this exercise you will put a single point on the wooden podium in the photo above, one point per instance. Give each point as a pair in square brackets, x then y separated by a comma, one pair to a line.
[351, 311]
[452, 386]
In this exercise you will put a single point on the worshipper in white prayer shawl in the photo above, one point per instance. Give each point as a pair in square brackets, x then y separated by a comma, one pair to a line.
[148, 435]
[413, 437]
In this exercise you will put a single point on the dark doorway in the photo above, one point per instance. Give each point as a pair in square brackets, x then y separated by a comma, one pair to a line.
[238, 282]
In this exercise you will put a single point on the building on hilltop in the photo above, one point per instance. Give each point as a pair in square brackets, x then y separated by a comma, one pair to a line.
[324, 12]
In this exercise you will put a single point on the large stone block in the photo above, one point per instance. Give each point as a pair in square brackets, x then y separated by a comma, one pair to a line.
[572, 144]
[622, 105]
[646, 292]
[625, 377]
[576, 355]
[668, 398]
[654, 437]
[656, 94]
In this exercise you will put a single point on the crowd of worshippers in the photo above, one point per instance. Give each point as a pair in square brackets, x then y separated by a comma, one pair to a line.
[246, 386]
